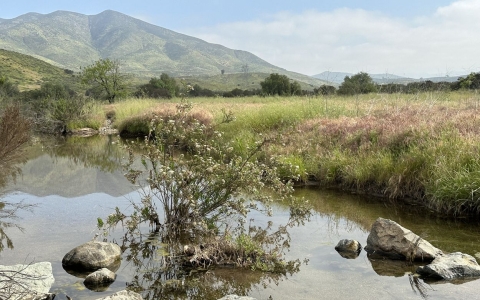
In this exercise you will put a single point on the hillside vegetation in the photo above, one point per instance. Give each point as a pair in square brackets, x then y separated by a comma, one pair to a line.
[72, 40]
[30, 73]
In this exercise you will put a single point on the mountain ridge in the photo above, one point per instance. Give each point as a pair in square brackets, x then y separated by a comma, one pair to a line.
[338, 77]
[72, 40]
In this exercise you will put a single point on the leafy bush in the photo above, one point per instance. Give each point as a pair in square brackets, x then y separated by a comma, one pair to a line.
[360, 83]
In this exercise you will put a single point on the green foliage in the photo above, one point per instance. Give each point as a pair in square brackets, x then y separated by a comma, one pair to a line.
[163, 87]
[54, 108]
[472, 82]
[325, 90]
[7, 88]
[280, 85]
[105, 77]
[360, 83]
[52, 91]
[198, 91]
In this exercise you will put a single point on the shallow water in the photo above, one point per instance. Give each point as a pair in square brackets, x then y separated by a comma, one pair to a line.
[75, 181]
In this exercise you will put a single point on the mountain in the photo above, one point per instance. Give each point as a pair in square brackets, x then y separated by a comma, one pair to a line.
[72, 40]
[338, 77]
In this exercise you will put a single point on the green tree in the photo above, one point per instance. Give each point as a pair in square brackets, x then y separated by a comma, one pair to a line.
[360, 83]
[295, 88]
[163, 87]
[276, 84]
[104, 75]
[472, 81]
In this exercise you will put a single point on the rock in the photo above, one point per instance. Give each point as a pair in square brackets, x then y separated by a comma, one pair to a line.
[93, 256]
[102, 277]
[235, 297]
[451, 266]
[387, 238]
[348, 248]
[123, 295]
[29, 281]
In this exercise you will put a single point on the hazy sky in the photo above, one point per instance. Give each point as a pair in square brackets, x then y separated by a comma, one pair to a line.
[417, 38]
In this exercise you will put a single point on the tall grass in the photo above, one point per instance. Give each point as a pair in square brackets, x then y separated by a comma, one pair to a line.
[422, 147]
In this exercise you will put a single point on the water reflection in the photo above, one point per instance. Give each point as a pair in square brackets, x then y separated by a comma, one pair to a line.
[160, 275]
[74, 166]
[51, 170]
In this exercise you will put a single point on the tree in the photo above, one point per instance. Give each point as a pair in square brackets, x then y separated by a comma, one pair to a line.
[276, 84]
[295, 88]
[324, 90]
[472, 81]
[106, 78]
[163, 87]
[360, 83]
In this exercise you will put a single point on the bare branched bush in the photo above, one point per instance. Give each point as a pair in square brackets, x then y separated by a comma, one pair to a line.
[197, 192]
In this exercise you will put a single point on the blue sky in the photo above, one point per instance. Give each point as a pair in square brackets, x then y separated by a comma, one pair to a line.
[417, 38]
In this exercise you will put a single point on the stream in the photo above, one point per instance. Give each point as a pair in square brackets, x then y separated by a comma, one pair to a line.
[71, 182]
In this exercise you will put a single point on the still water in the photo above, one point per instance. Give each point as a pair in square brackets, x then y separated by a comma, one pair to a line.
[74, 181]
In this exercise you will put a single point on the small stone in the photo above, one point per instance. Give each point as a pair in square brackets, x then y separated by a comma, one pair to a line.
[349, 249]
[100, 277]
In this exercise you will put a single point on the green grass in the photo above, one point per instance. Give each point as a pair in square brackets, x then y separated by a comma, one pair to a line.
[29, 72]
[422, 148]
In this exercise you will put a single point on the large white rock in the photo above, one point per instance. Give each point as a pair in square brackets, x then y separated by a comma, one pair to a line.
[451, 266]
[26, 281]
[387, 238]
[92, 256]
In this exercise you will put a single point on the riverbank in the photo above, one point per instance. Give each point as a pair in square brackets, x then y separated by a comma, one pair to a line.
[421, 147]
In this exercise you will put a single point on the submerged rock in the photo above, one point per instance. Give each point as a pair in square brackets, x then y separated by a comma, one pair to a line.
[93, 256]
[100, 278]
[451, 266]
[123, 295]
[236, 297]
[29, 281]
[387, 238]
[349, 249]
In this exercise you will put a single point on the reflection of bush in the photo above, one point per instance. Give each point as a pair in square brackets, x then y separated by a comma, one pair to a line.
[160, 275]
[14, 134]
[102, 152]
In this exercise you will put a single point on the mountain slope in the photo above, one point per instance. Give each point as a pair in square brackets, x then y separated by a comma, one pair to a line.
[29, 72]
[71, 40]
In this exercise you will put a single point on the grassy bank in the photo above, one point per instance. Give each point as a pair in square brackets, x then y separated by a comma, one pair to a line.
[422, 147]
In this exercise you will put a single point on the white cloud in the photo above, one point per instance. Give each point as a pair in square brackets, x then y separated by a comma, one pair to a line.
[354, 40]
